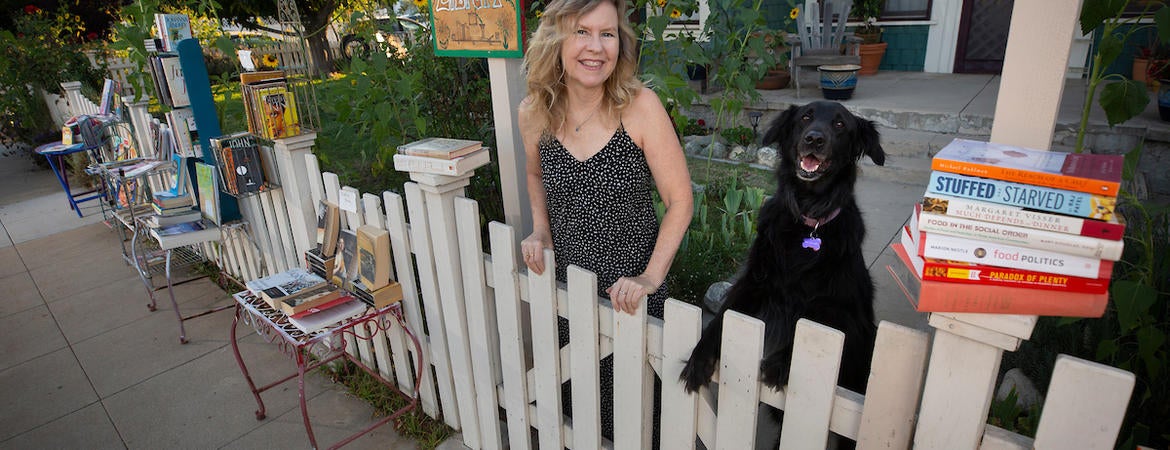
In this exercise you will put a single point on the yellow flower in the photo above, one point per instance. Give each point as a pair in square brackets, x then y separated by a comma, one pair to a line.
[674, 13]
[539, 14]
[792, 14]
[270, 60]
[421, 4]
[661, 3]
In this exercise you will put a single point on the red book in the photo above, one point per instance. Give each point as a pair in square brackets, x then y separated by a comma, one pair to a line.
[963, 272]
[940, 296]
[324, 306]
[1081, 172]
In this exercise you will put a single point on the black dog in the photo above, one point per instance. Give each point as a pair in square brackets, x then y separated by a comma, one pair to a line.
[806, 261]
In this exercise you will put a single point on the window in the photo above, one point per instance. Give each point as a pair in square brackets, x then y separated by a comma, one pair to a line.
[906, 10]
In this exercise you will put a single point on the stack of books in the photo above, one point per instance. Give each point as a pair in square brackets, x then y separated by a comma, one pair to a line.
[310, 302]
[240, 163]
[1010, 230]
[441, 156]
[270, 105]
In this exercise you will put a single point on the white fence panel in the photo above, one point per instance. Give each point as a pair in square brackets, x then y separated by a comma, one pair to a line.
[509, 317]
[546, 353]
[957, 393]
[421, 244]
[481, 323]
[634, 397]
[895, 380]
[400, 245]
[682, 326]
[440, 198]
[739, 386]
[1085, 405]
[812, 384]
[584, 358]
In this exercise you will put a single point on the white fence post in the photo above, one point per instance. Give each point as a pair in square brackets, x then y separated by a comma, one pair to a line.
[584, 358]
[546, 354]
[509, 313]
[440, 193]
[739, 381]
[290, 156]
[78, 104]
[681, 328]
[140, 120]
[812, 384]
[481, 323]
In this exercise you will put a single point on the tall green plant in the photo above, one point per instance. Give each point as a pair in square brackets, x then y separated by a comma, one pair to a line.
[1121, 98]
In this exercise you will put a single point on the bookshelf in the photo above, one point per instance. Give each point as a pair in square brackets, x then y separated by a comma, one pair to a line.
[206, 119]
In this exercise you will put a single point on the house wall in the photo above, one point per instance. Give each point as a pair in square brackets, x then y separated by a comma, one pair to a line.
[906, 48]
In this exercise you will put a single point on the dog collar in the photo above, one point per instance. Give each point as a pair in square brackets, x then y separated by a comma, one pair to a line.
[816, 223]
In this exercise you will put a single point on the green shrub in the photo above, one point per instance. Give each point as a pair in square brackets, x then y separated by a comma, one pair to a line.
[738, 135]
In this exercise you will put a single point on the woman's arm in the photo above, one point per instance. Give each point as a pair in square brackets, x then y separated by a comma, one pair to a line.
[533, 246]
[657, 138]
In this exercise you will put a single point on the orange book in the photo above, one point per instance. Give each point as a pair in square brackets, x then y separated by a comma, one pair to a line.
[1081, 172]
[939, 296]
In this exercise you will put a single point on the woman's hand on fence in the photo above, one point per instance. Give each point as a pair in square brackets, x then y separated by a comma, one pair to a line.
[532, 248]
[627, 293]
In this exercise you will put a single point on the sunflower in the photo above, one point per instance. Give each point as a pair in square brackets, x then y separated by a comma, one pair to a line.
[270, 60]
[539, 14]
[421, 4]
[661, 3]
[674, 13]
[792, 14]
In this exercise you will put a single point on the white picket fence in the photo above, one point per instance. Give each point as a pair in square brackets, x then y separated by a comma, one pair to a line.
[489, 340]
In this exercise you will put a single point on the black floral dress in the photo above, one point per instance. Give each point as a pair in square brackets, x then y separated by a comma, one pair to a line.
[602, 219]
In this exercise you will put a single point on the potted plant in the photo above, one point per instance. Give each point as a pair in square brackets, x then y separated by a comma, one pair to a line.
[1149, 61]
[777, 76]
[872, 49]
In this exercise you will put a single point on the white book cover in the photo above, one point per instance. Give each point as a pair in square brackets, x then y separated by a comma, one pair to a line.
[176, 84]
[288, 282]
[1024, 237]
[440, 147]
[941, 246]
[452, 167]
[329, 317]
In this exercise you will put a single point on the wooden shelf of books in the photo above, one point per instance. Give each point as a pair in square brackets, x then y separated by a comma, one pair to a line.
[1010, 230]
[272, 106]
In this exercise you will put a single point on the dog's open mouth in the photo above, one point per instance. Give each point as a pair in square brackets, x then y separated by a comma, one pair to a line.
[810, 167]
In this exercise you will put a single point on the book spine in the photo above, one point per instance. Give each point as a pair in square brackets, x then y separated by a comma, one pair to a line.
[1011, 215]
[938, 270]
[407, 163]
[1055, 181]
[1060, 201]
[936, 296]
[1024, 237]
[939, 246]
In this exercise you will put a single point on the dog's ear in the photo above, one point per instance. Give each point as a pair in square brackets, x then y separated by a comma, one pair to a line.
[869, 142]
[781, 126]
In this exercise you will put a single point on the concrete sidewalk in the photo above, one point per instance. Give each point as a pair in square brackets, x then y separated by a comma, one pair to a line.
[84, 364]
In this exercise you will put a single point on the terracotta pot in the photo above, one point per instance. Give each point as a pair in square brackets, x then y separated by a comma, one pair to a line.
[774, 80]
[871, 57]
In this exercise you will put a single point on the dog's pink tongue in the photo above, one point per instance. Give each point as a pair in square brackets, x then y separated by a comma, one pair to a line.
[810, 163]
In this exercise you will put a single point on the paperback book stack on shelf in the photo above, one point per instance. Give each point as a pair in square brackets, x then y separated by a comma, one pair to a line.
[1010, 230]
[441, 156]
[310, 302]
[240, 163]
[270, 105]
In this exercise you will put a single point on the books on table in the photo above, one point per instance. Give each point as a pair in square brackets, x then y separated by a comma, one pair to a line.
[287, 284]
[329, 317]
[185, 233]
[994, 233]
[440, 147]
[438, 166]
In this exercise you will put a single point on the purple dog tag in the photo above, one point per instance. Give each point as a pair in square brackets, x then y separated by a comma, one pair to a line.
[812, 242]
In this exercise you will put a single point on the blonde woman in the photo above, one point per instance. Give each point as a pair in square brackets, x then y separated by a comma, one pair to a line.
[597, 141]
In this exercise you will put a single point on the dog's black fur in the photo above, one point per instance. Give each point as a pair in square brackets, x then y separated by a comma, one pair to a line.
[782, 281]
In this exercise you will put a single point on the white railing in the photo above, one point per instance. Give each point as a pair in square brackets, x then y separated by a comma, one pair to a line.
[491, 341]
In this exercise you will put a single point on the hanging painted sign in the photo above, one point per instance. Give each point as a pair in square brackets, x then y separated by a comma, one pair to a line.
[477, 28]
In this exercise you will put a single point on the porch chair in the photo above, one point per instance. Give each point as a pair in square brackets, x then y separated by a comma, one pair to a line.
[822, 40]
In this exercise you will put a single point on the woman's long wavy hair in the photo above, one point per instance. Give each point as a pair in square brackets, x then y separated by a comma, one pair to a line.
[542, 62]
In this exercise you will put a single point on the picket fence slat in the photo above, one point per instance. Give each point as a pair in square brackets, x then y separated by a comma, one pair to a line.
[1085, 405]
[400, 247]
[584, 358]
[373, 216]
[316, 187]
[249, 209]
[270, 242]
[812, 384]
[285, 243]
[356, 218]
[332, 187]
[509, 319]
[742, 345]
[546, 354]
[444, 246]
[680, 332]
[421, 245]
[957, 393]
[248, 251]
[481, 323]
[895, 379]
[634, 397]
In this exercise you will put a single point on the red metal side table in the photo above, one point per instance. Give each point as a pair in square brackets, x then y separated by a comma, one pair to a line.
[327, 345]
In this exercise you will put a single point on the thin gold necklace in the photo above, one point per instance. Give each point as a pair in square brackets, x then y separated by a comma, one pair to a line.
[578, 128]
